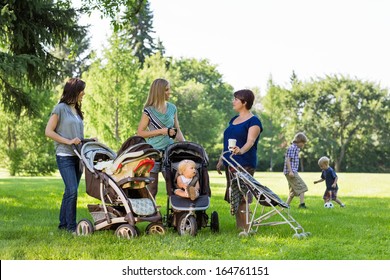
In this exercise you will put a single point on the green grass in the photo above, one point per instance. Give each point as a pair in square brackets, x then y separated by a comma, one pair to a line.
[29, 208]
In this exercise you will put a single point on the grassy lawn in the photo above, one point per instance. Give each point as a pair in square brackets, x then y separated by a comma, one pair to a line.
[29, 208]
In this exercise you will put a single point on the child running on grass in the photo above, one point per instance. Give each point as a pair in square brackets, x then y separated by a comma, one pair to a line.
[297, 186]
[329, 176]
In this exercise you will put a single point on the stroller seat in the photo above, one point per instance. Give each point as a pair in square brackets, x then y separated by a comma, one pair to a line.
[137, 170]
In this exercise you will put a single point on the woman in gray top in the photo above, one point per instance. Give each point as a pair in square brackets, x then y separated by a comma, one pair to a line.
[66, 127]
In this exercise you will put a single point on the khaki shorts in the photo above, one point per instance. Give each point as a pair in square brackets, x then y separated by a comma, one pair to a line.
[296, 185]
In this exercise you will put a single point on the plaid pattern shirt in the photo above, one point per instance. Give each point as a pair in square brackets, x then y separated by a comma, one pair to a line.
[293, 154]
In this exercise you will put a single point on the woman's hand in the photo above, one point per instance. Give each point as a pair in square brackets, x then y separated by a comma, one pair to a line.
[75, 141]
[219, 165]
[236, 150]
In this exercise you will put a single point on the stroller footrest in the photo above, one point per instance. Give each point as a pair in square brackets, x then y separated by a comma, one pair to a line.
[178, 202]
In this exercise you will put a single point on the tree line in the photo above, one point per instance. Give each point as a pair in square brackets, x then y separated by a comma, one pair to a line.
[345, 119]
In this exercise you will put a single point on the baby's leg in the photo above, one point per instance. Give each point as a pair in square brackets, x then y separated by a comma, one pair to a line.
[181, 193]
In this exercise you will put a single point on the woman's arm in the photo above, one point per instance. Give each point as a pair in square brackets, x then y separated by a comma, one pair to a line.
[144, 132]
[52, 134]
[179, 135]
[253, 133]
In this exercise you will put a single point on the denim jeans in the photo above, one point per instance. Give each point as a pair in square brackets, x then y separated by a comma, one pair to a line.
[69, 167]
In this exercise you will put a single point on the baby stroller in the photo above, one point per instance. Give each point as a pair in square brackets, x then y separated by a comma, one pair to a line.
[185, 215]
[120, 182]
[242, 186]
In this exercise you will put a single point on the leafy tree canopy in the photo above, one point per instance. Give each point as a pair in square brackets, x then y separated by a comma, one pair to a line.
[30, 30]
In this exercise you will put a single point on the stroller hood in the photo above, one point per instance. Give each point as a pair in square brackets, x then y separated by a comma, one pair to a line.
[181, 150]
[91, 152]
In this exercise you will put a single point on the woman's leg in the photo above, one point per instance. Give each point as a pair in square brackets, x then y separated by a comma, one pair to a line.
[242, 217]
[70, 172]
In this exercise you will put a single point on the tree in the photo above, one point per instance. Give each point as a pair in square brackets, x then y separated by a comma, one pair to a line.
[114, 111]
[24, 149]
[29, 31]
[137, 26]
[203, 101]
[335, 111]
[272, 144]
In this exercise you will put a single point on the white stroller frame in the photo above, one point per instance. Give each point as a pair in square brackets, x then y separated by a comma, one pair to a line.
[264, 197]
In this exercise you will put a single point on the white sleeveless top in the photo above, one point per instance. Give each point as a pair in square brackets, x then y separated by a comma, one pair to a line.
[185, 180]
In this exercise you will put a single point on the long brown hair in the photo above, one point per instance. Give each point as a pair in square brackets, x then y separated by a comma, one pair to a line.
[156, 97]
[72, 89]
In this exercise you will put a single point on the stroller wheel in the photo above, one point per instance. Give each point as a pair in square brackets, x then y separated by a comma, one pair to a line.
[155, 228]
[299, 235]
[187, 225]
[84, 227]
[126, 231]
[137, 230]
[214, 223]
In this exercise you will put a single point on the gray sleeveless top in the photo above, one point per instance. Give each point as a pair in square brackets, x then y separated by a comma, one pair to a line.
[69, 126]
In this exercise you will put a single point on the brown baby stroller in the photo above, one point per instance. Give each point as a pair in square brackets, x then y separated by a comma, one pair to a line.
[121, 183]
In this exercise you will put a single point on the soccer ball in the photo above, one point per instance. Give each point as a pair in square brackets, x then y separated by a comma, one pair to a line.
[328, 205]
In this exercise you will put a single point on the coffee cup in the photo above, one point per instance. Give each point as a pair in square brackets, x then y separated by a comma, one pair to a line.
[231, 144]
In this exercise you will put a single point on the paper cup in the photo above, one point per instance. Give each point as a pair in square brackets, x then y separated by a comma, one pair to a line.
[231, 144]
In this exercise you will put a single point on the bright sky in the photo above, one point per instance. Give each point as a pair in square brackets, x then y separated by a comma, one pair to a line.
[251, 40]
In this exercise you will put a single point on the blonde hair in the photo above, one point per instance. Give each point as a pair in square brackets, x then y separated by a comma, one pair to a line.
[183, 165]
[324, 160]
[300, 137]
[156, 97]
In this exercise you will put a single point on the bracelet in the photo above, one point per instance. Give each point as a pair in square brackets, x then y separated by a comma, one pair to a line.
[173, 136]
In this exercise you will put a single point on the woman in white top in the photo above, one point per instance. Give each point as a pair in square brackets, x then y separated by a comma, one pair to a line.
[66, 127]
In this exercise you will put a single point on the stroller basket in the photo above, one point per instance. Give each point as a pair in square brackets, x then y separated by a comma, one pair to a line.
[98, 214]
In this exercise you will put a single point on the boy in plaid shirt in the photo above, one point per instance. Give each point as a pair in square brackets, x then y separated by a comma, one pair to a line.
[297, 186]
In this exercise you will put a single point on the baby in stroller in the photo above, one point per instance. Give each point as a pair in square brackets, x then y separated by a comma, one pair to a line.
[184, 214]
[187, 180]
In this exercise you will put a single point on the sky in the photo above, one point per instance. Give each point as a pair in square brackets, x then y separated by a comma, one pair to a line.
[251, 41]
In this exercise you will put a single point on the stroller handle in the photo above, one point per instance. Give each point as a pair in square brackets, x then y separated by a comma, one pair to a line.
[83, 141]
[237, 167]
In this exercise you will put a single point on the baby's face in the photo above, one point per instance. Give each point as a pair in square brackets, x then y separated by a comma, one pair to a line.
[189, 171]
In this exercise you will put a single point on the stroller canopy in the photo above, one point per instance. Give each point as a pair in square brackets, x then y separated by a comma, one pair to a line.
[184, 150]
[92, 152]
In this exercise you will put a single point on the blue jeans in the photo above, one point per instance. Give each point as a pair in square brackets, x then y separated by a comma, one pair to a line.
[69, 167]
